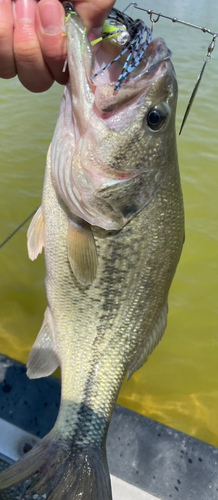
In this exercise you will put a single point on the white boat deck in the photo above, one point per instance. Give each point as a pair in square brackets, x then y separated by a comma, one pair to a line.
[125, 491]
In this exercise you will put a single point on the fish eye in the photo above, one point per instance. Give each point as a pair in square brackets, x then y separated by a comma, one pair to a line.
[157, 116]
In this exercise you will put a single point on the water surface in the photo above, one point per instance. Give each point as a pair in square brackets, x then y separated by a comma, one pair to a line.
[179, 384]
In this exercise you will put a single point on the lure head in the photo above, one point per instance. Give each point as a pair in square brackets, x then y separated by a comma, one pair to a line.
[116, 33]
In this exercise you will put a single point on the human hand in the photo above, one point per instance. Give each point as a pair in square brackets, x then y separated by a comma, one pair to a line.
[31, 41]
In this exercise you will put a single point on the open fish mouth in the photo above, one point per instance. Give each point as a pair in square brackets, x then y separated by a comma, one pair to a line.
[133, 38]
[122, 57]
[155, 53]
[154, 62]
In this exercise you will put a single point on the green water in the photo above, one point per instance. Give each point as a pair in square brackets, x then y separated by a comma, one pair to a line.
[179, 384]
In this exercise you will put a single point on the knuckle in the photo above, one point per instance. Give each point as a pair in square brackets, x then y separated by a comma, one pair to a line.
[26, 44]
[55, 51]
[27, 53]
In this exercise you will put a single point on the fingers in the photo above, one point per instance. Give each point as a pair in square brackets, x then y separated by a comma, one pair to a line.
[7, 62]
[39, 45]
[93, 12]
[32, 69]
[32, 44]
[49, 27]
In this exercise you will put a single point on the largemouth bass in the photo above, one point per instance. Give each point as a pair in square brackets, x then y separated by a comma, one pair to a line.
[112, 227]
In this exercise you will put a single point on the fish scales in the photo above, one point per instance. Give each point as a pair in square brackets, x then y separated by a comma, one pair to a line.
[114, 325]
[112, 226]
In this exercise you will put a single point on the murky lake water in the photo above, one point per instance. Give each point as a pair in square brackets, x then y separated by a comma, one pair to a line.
[179, 384]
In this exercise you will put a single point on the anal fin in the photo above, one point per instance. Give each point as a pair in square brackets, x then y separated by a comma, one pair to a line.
[82, 252]
[43, 360]
[153, 339]
[35, 235]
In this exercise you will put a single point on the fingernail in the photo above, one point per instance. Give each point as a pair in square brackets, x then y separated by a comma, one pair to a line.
[51, 17]
[24, 10]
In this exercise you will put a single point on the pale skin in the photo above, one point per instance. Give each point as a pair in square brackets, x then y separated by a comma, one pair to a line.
[32, 44]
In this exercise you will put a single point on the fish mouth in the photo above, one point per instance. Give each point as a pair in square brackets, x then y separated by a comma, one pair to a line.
[154, 62]
[156, 53]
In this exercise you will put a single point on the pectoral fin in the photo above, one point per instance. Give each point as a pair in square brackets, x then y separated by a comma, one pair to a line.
[43, 359]
[82, 252]
[35, 235]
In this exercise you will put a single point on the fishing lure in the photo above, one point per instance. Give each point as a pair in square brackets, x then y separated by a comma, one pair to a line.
[130, 38]
[206, 59]
[124, 32]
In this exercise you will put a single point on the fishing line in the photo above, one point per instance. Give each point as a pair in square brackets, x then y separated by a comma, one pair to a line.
[17, 229]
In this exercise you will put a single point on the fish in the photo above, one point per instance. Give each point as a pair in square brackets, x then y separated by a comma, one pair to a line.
[111, 224]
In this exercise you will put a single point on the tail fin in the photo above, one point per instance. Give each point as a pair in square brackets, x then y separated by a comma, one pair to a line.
[62, 472]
